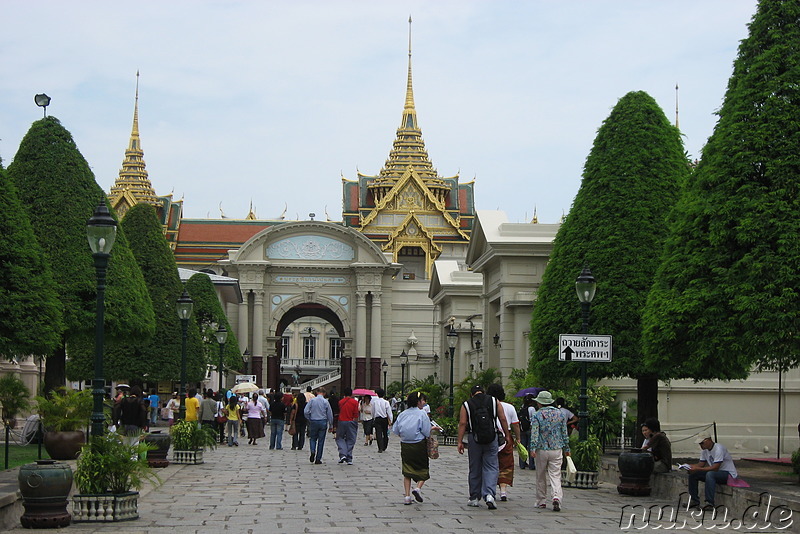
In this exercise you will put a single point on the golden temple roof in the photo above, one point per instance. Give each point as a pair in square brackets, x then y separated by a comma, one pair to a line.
[133, 186]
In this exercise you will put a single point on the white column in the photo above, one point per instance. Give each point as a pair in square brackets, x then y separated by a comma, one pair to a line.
[242, 324]
[258, 324]
[361, 325]
[376, 328]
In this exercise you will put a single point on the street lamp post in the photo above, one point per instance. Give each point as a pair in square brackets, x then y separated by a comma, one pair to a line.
[222, 337]
[585, 286]
[403, 362]
[385, 367]
[184, 307]
[452, 341]
[101, 231]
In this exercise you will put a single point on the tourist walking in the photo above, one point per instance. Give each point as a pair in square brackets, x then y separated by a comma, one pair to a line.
[413, 426]
[208, 410]
[382, 412]
[132, 416]
[524, 416]
[367, 418]
[155, 404]
[220, 418]
[549, 443]
[478, 424]
[191, 405]
[277, 420]
[173, 408]
[255, 420]
[298, 422]
[505, 453]
[233, 412]
[319, 416]
[347, 426]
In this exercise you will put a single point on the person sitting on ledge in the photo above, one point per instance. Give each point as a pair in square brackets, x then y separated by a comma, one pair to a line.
[714, 467]
[658, 444]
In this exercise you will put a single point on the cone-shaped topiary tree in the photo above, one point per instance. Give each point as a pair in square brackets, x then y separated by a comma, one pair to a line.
[208, 314]
[616, 225]
[59, 191]
[158, 358]
[31, 314]
[727, 293]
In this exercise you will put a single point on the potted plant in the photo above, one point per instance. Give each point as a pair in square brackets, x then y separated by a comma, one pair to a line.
[586, 455]
[108, 471]
[189, 440]
[64, 414]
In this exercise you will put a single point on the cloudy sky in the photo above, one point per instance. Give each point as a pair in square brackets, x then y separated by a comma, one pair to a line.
[272, 102]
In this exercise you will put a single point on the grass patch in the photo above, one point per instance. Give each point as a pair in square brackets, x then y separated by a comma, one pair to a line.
[19, 455]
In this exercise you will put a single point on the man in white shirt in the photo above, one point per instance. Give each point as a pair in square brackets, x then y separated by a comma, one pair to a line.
[382, 412]
[714, 467]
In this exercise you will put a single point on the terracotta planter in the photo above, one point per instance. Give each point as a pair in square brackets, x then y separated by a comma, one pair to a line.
[44, 486]
[635, 468]
[64, 445]
[105, 507]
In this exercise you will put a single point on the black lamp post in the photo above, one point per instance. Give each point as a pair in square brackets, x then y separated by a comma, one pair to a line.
[585, 286]
[452, 341]
[101, 231]
[246, 359]
[385, 367]
[403, 362]
[184, 307]
[222, 337]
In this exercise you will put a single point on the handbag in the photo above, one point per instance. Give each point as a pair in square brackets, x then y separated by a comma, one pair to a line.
[292, 430]
[433, 447]
[571, 471]
[221, 419]
[523, 452]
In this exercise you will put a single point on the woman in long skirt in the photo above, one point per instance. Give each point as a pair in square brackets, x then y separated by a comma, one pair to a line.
[255, 420]
[505, 455]
[414, 427]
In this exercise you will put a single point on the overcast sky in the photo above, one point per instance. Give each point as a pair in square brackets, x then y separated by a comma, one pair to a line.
[274, 101]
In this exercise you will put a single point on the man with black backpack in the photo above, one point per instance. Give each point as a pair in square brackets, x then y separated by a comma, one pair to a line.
[482, 421]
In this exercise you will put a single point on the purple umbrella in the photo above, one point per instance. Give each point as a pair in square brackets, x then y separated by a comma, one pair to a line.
[527, 391]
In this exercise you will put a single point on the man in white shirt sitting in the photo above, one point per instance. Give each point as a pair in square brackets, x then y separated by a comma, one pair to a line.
[714, 467]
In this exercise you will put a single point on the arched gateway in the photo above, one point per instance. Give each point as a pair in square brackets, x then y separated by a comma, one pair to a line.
[293, 272]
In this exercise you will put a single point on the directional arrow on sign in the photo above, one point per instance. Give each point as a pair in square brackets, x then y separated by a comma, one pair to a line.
[568, 354]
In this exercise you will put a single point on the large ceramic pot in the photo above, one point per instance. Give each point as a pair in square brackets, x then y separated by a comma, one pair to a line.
[635, 468]
[158, 457]
[64, 445]
[105, 507]
[44, 486]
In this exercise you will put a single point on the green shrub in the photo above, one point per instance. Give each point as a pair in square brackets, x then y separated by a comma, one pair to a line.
[65, 410]
[187, 436]
[796, 461]
[109, 465]
[585, 454]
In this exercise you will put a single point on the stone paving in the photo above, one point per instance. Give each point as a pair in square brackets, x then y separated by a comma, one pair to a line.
[251, 489]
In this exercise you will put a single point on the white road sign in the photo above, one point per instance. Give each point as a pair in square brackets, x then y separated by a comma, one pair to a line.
[584, 348]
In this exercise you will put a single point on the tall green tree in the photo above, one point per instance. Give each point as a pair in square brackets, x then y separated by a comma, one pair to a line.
[157, 358]
[617, 225]
[727, 294]
[29, 304]
[59, 192]
[209, 315]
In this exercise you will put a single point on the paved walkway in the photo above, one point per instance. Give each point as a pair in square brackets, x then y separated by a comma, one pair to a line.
[250, 489]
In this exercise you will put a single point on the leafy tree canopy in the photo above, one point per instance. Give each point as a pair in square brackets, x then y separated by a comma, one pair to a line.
[59, 191]
[209, 315]
[726, 294]
[158, 357]
[29, 303]
[617, 223]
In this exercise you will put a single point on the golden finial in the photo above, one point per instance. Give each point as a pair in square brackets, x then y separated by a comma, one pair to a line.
[676, 107]
[136, 108]
[251, 216]
[563, 216]
[535, 216]
[409, 89]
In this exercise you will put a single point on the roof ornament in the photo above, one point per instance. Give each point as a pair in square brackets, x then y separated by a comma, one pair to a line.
[676, 107]
[221, 213]
[535, 216]
[283, 215]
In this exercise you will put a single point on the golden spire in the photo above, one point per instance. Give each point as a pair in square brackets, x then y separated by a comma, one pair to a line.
[535, 219]
[133, 175]
[408, 110]
[251, 216]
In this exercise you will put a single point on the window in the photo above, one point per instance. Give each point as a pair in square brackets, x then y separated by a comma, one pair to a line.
[336, 348]
[309, 348]
[284, 352]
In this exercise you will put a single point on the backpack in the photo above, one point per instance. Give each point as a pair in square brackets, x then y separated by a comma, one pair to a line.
[482, 414]
[524, 419]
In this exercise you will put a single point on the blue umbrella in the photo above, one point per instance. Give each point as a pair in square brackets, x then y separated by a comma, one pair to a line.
[527, 391]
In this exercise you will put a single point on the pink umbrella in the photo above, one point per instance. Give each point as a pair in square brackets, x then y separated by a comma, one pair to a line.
[362, 391]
